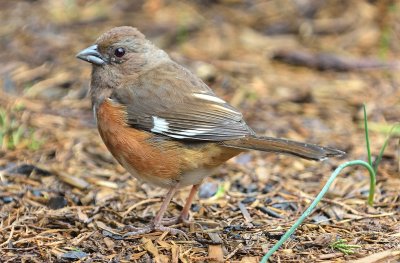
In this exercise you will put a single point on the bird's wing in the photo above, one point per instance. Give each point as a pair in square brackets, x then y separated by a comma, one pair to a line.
[170, 100]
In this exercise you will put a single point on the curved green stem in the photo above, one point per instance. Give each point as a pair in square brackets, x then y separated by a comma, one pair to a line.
[318, 199]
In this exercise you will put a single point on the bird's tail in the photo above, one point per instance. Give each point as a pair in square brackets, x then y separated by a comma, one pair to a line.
[269, 144]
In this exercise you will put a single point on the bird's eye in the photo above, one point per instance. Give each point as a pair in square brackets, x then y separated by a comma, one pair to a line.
[119, 52]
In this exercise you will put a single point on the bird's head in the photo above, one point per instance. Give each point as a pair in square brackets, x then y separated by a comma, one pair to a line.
[123, 50]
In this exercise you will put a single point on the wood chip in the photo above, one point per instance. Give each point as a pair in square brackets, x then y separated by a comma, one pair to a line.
[250, 260]
[137, 256]
[73, 181]
[245, 213]
[384, 256]
[215, 252]
[149, 246]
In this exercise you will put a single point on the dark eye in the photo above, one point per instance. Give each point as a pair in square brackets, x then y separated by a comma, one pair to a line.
[119, 52]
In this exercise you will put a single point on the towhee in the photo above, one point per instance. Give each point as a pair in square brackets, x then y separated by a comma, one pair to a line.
[163, 124]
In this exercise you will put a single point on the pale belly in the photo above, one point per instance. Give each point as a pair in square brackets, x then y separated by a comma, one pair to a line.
[185, 179]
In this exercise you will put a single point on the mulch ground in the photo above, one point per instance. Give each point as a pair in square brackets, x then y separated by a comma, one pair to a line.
[300, 71]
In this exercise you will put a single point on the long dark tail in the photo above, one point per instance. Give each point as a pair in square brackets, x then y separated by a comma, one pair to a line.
[269, 144]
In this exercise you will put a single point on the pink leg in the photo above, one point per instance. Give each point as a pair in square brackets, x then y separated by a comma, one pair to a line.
[185, 211]
[156, 223]
[184, 216]
[159, 216]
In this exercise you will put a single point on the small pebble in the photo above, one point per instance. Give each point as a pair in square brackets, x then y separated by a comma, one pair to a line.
[195, 207]
[7, 199]
[318, 219]
[57, 202]
[74, 255]
[267, 188]
[208, 190]
[36, 192]
[248, 200]
[251, 188]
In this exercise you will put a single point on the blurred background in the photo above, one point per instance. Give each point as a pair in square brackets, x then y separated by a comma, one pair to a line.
[299, 69]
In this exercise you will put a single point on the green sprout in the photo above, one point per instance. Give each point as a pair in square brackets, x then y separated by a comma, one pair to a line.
[15, 134]
[342, 246]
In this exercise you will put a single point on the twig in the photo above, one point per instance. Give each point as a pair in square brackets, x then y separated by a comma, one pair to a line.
[245, 213]
[366, 216]
[9, 237]
[234, 251]
[124, 214]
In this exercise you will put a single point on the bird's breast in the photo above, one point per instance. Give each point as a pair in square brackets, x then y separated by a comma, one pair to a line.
[131, 147]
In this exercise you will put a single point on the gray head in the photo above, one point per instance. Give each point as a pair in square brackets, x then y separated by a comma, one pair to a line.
[122, 49]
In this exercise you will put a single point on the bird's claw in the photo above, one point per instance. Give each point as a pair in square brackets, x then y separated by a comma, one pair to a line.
[176, 220]
[150, 228]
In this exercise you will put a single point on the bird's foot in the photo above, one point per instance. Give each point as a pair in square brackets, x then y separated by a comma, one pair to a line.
[176, 220]
[135, 231]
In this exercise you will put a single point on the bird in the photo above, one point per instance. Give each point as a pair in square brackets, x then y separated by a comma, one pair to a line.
[164, 125]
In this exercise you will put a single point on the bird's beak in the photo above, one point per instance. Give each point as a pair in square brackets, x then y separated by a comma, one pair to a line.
[91, 55]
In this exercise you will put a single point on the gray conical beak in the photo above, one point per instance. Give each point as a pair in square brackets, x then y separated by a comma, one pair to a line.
[91, 55]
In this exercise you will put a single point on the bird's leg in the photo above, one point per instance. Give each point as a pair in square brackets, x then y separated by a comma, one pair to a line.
[184, 216]
[160, 214]
[156, 224]
[185, 211]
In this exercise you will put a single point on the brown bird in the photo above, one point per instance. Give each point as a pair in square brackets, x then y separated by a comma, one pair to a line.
[163, 124]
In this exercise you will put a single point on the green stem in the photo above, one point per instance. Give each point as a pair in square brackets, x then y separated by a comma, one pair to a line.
[367, 135]
[318, 199]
